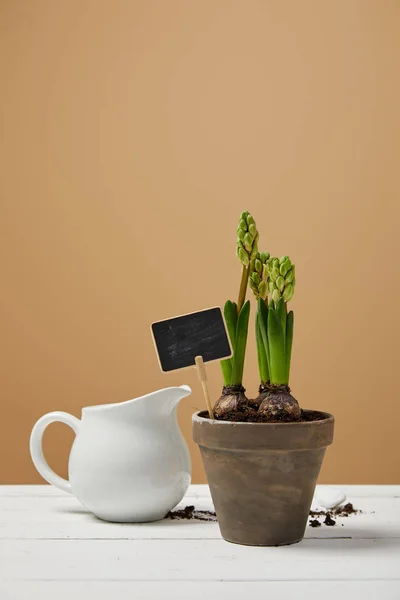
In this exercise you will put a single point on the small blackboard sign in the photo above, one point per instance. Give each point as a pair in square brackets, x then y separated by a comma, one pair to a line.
[181, 339]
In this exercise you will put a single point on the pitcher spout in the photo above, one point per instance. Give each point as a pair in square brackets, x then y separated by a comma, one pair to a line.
[171, 397]
[161, 402]
[164, 402]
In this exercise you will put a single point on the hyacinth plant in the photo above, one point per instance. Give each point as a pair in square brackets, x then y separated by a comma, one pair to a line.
[237, 321]
[274, 335]
[272, 281]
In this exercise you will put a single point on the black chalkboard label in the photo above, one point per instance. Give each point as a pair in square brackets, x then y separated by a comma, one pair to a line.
[180, 339]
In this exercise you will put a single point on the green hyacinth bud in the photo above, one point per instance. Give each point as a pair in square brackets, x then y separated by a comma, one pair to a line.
[249, 218]
[280, 283]
[253, 287]
[290, 276]
[263, 289]
[288, 292]
[281, 278]
[248, 242]
[243, 256]
[285, 266]
[258, 266]
[247, 238]
[253, 230]
[274, 273]
[276, 295]
[258, 278]
[240, 234]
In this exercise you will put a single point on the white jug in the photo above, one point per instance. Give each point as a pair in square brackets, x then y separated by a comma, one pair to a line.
[129, 462]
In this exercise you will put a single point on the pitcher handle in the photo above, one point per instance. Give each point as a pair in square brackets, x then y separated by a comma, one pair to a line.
[37, 450]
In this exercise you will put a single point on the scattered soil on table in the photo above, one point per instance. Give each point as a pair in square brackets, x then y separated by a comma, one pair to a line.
[341, 511]
[346, 510]
[329, 521]
[315, 523]
[189, 512]
[317, 513]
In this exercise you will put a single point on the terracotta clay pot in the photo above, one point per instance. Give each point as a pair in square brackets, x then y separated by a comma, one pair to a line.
[262, 476]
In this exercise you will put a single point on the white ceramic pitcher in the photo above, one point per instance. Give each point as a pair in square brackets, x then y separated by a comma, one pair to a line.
[129, 461]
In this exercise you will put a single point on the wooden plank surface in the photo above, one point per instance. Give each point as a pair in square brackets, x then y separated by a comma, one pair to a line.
[218, 590]
[50, 546]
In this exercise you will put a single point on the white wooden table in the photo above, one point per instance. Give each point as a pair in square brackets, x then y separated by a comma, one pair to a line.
[51, 548]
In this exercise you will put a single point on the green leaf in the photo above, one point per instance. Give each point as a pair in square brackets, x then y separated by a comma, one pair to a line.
[276, 342]
[242, 328]
[226, 367]
[261, 355]
[282, 312]
[230, 314]
[289, 342]
[263, 326]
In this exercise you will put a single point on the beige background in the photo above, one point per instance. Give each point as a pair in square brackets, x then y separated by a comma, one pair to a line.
[133, 134]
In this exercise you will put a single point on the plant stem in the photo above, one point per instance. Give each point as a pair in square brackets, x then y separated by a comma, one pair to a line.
[243, 288]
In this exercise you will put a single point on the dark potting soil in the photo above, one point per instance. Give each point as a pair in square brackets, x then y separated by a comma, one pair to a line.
[315, 523]
[329, 521]
[249, 414]
[341, 511]
[189, 512]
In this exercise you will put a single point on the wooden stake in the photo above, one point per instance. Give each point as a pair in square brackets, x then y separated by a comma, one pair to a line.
[201, 372]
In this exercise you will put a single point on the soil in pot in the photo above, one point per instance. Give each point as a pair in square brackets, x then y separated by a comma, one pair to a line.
[248, 414]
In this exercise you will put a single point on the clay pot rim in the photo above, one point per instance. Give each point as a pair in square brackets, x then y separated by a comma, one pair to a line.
[197, 418]
[260, 437]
